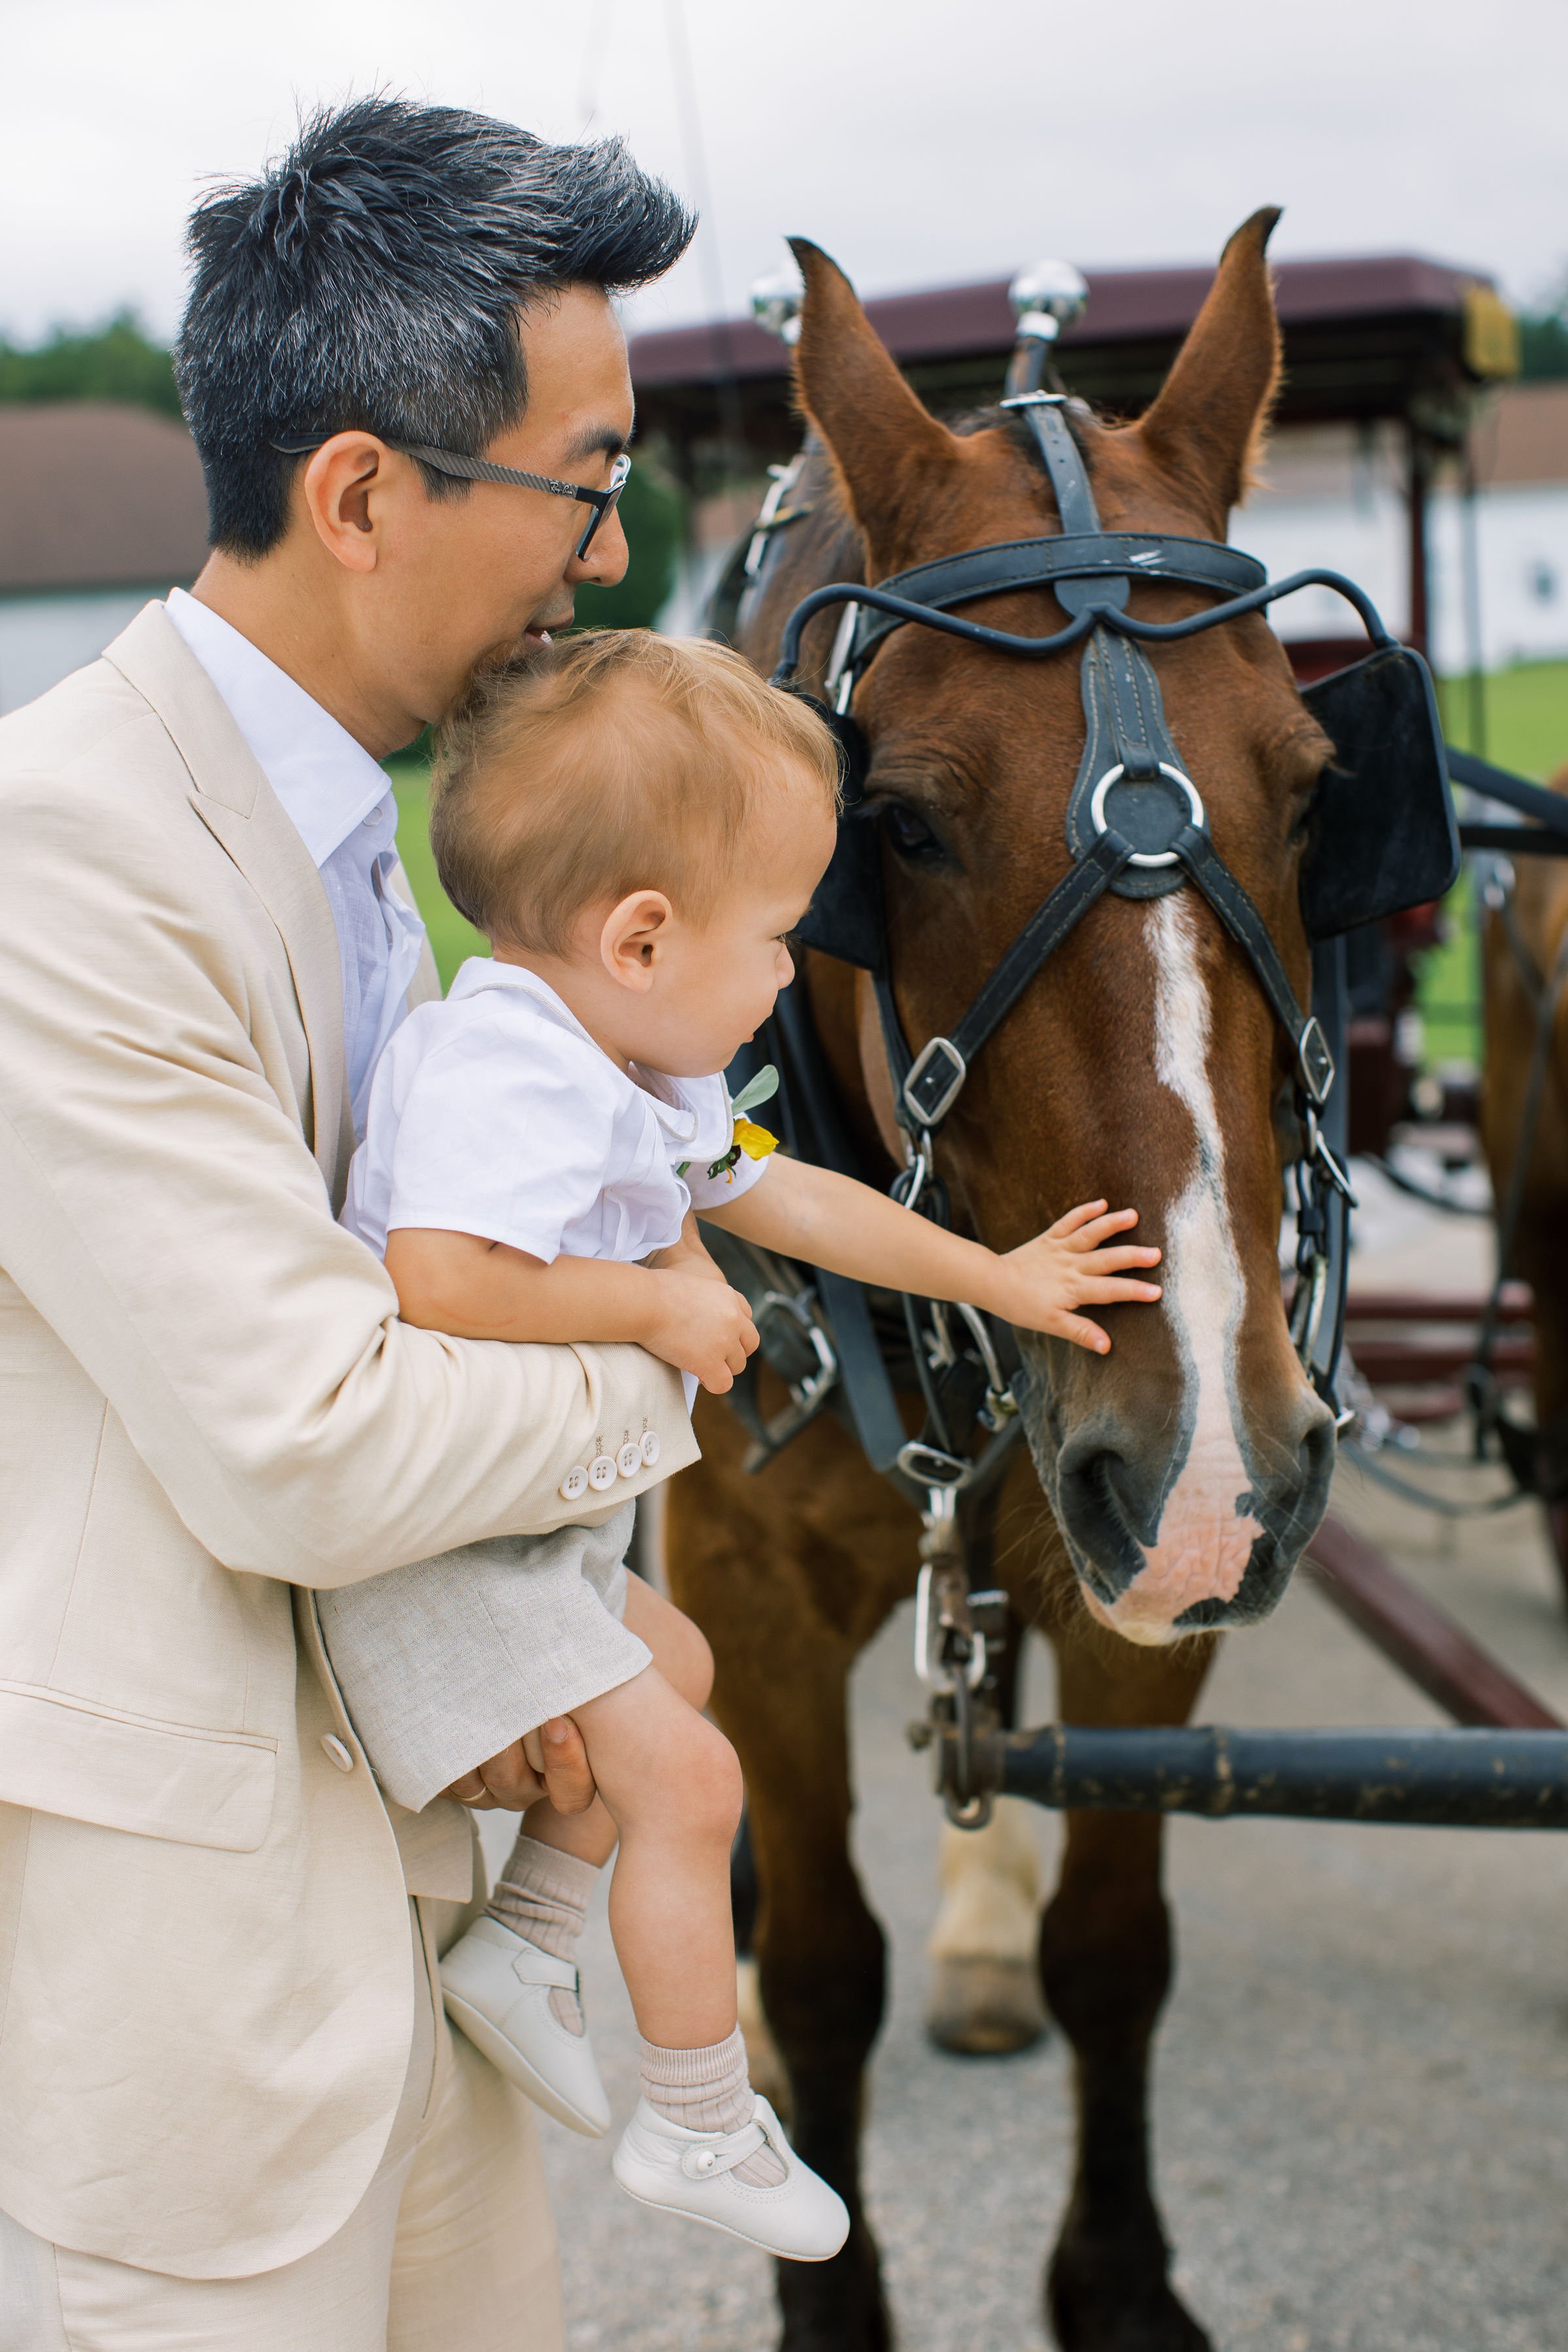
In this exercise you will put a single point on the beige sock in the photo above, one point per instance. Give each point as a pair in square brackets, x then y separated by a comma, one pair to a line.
[708, 2090]
[544, 1895]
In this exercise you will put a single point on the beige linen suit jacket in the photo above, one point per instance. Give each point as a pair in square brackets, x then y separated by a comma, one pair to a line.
[207, 1406]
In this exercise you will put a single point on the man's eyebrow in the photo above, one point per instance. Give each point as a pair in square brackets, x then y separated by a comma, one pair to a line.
[595, 441]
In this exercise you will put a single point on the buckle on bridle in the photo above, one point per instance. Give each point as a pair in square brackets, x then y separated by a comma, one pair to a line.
[936, 1077]
[1314, 1062]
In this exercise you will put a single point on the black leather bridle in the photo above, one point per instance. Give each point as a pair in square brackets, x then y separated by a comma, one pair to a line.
[1136, 823]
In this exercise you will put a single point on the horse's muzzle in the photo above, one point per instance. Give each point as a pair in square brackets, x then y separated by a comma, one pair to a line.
[1166, 1543]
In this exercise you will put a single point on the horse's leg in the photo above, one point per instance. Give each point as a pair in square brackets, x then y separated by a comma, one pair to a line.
[822, 1979]
[984, 1998]
[984, 1945]
[787, 1612]
[1541, 1257]
[1105, 1957]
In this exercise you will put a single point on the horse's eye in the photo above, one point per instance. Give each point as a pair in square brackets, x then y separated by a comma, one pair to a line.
[1306, 811]
[910, 834]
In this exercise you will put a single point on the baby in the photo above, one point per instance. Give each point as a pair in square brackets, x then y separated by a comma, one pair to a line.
[637, 824]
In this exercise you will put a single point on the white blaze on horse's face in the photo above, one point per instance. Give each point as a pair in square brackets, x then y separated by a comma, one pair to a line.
[1207, 1530]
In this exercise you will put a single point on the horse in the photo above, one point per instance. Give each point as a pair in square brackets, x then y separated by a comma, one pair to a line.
[1168, 1488]
[1524, 1131]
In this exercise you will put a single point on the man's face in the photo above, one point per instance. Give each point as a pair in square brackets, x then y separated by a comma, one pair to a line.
[460, 584]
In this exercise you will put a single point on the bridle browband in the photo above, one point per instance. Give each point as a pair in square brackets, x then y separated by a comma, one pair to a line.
[1136, 823]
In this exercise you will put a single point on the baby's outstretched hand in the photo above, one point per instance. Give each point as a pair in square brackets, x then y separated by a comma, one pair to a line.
[1069, 1266]
[700, 1326]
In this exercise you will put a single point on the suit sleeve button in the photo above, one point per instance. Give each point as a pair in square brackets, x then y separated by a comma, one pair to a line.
[574, 1485]
[601, 1472]
[334, 1752]
[648, 1449]
[628, 1461]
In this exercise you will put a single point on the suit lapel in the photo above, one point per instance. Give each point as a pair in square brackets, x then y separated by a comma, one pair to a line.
[238, 805]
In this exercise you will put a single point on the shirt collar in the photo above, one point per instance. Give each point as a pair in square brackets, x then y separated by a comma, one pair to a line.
[326, 782]
[671, 1102]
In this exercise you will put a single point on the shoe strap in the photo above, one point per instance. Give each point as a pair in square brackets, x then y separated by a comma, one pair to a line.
[708, 2163]
[532, 1966]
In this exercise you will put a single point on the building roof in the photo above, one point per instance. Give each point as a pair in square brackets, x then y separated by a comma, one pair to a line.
[1523, 437]
[1366, 336]
[96, 494]
[1124, 305]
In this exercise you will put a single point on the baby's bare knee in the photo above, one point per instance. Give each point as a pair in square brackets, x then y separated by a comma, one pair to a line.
[710, 1788]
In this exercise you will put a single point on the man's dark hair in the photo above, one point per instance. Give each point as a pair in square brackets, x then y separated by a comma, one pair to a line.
[373, 277]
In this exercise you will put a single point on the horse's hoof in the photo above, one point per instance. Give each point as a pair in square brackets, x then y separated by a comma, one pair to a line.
[982, 2007]
[1092, 2308]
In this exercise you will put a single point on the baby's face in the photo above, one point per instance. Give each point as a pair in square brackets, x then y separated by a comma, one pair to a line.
[718, 980]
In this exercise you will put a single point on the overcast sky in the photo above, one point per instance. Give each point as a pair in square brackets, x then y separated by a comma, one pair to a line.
[920, 140]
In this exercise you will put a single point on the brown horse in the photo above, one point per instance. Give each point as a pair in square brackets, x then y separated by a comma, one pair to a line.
[1520, 952]
[1174, 1484]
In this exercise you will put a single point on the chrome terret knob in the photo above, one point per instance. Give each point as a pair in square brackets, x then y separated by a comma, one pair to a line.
[775, 304]
[1048, 297]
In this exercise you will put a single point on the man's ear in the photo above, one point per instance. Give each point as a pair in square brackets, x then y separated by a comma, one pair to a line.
[342, 484]
[632, 936]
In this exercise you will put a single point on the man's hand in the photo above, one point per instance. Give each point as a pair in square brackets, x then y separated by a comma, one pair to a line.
[509, 1783]
[701, 1326]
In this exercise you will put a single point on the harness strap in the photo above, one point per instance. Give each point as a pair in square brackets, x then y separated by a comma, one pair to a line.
[1105, 561]
[816, 1132]
[1069, 477]
[932, 1083]
[1241, 918]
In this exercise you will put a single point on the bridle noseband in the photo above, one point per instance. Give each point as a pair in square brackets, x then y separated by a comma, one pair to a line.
[1136, 823]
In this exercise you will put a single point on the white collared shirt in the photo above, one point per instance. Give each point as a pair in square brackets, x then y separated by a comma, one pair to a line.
[338, 802]
[495, 1113]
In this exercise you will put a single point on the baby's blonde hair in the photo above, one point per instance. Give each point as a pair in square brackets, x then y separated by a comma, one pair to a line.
[609, 762]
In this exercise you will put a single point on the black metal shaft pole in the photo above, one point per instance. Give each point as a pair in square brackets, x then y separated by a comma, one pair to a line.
[1471, 1779]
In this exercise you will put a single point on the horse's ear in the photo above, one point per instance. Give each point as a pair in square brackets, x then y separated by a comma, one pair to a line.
[1210, 419]
[887, 448]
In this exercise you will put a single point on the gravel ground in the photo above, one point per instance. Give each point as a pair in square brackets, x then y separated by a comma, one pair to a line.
[1361, 2109]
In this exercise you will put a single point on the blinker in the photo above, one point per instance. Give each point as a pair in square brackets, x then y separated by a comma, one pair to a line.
[1383, 835]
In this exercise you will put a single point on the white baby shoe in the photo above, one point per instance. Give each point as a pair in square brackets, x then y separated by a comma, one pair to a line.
[497, 1987]
[661, 2163]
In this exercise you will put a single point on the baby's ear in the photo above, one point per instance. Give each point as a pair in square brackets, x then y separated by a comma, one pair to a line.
[632, 935]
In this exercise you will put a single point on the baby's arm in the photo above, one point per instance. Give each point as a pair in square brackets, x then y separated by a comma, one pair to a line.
[830, 1221]
[478, 1289]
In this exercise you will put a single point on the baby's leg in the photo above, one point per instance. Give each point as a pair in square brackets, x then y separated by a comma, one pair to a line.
[672, 1784]
[544, 1891]
[686, 1662]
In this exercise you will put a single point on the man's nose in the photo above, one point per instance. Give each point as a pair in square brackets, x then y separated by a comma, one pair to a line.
[607, 557]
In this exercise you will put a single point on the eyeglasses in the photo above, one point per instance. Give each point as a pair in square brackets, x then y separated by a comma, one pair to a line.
[479, 469]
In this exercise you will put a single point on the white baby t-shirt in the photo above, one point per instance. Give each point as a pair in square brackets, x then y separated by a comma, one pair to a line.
[494, 1113]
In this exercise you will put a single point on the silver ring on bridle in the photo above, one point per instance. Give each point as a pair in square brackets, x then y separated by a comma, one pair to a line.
[1113, 776]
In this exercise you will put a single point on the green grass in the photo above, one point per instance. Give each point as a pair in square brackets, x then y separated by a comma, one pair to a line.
[452, 938]
[1527, 730]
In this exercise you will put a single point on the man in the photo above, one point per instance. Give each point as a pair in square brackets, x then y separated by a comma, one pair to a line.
[231, 2114]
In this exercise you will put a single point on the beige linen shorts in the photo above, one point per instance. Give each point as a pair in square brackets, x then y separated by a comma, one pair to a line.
[449, 1660]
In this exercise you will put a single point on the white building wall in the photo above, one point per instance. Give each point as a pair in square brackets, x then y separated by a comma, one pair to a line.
[1521, 563]
[44, 638]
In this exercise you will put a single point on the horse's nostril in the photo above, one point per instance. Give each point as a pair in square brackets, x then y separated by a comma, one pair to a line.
[1098, 1504]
